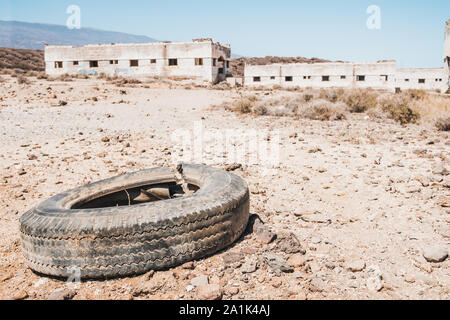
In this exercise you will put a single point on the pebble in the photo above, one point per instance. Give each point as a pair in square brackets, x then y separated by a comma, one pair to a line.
[435, 254]
[297, 260]
[61, 294]
[356, 265]
[249, 266]
[277, 263]
[232, 257]
[200, 281]
[374, 284]
[209, 292]
[316, 218]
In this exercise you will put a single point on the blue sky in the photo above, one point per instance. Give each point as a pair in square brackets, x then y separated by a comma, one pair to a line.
[412, 32]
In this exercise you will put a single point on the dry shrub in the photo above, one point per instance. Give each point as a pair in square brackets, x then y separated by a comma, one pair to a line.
[360, 100]
[398, 107]
[323, 110]
[331, 95]
[223, 85]
[65, 77]
[415, 94]
[22, 80]
[443, 123]
[120, 82]
[308, 97]
[242, 105]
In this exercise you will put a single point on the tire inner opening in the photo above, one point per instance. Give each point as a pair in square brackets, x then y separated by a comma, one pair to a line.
[139, 195]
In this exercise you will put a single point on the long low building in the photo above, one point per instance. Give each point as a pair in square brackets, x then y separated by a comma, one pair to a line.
[201, 59]
[377, 75]
[421, 78]
[447, 53]
[322, 75]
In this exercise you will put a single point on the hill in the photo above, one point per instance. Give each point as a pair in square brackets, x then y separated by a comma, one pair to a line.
[24, 35]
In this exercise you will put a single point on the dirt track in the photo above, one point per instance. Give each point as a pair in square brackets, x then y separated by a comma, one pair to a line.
[363, 198]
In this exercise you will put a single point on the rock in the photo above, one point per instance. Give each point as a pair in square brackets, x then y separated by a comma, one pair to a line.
[62, 294]
[249, 266]
[444, 231]
[435, 254]
[232, 291]
[161, 283]
[412, 187]
[21, 295]
[317, 285]
[356, 265]
[316, 218]
[277, 263]
[276, 283]
[233, 167]
[189, 288]
[444, 201]
[263, 233]
[188, 266]
[375, 281]
[209, 292]
[297, 260]
[105, 139]
[232, 257]
[446, 182]
[290, 244]
[440, 169]
[265, 236]
[200, 281]
[374, 284]
[424, 181]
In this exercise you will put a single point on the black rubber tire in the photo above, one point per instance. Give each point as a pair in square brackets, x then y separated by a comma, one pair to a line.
[131, 240]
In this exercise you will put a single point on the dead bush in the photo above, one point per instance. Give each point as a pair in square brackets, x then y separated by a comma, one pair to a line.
[65, 77]
[308, 97]
[415, 94]
[331, 95]
[323, 110]
[22, 80]
[360, 100]
[261, 110]
[121, 82]
[443, 123]
[245, 105]
[398, 108]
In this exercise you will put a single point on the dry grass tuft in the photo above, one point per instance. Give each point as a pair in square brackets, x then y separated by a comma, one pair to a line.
[399, 108]
[360, 100]
[443, 123]
[22, 80]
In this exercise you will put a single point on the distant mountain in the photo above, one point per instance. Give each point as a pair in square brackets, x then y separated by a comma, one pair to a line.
[24, 35]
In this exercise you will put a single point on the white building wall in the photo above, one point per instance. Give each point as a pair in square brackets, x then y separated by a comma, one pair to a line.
[160, 53]
[323, 75]
[447, 54]
[418, 78]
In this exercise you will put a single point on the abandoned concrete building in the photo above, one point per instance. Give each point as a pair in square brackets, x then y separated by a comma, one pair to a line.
[447, 53]
[377, 75]
[201, 59]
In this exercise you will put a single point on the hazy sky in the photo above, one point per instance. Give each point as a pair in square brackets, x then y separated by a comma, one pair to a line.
[412, 32]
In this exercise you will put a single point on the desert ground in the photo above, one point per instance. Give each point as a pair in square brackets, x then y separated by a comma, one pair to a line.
[358, 207]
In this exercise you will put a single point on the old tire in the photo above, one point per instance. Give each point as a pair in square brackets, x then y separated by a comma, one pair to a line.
[129, 240]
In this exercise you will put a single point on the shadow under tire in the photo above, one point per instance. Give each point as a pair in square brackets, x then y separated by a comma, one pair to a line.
[110, 242]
